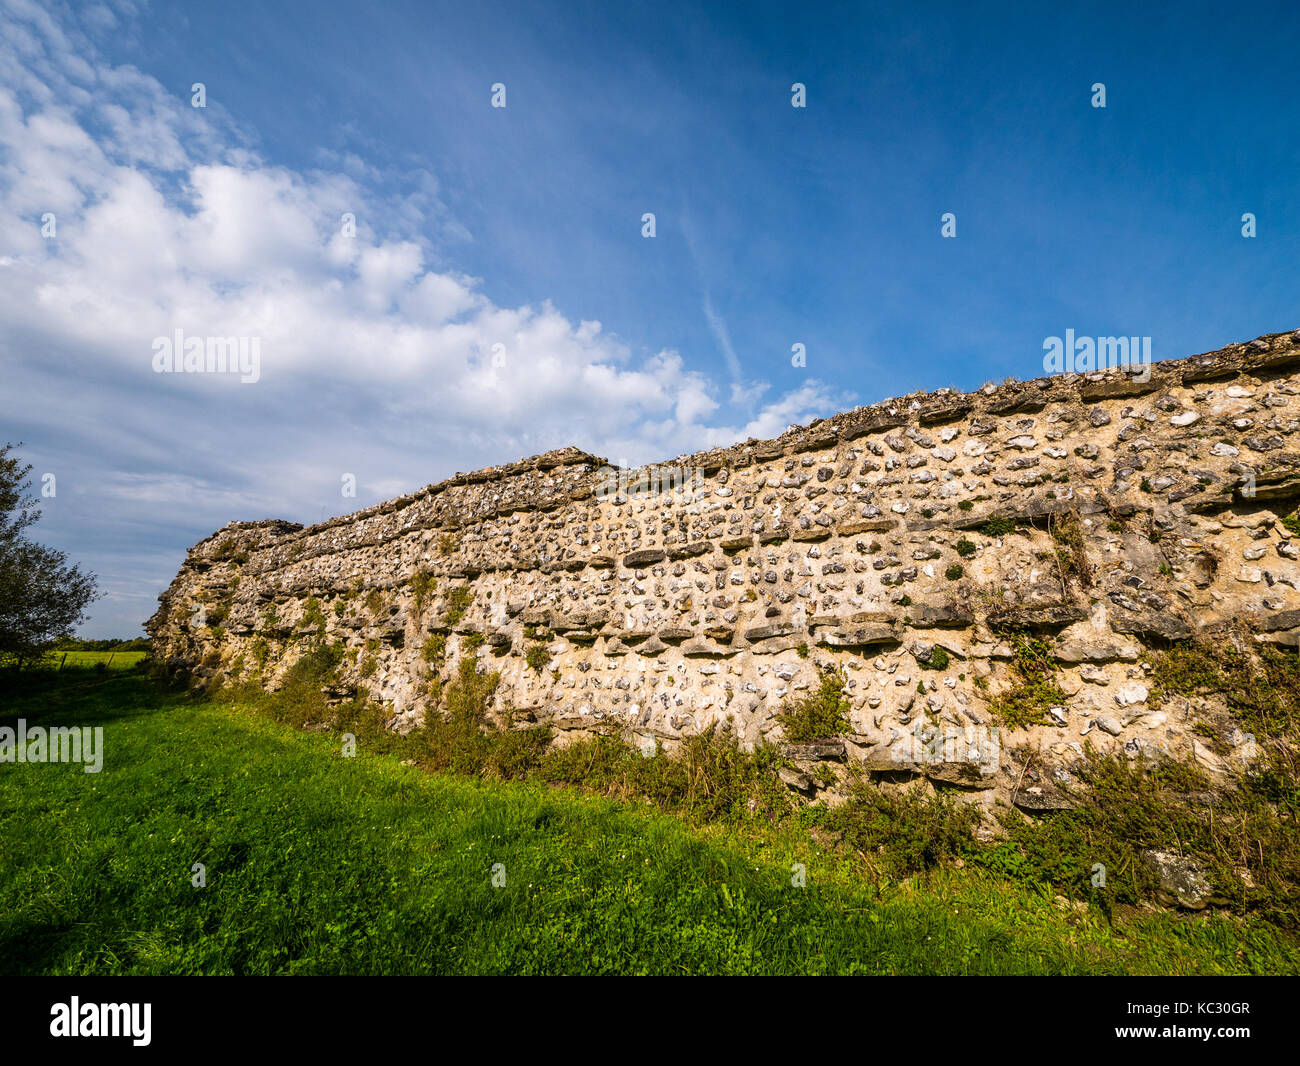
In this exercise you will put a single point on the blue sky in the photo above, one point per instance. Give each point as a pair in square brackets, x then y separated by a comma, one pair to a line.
[522, 226]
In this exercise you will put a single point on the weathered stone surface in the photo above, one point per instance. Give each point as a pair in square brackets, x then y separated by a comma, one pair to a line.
[1083, 650]
[816, 750]
[1152, 625]
[1105, 515]
[1117, 387]
[1038, 800]
[1183, 882]
[796, 779]
[764, 632]
[941, 616]
[859, 636]
[1041, 617]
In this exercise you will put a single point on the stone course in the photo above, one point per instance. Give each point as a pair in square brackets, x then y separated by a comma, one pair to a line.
[862, 542]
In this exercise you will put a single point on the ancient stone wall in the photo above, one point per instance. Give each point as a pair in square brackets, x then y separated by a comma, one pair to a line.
[911, 545]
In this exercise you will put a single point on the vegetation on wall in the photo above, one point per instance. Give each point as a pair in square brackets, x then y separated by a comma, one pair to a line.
[821, 715]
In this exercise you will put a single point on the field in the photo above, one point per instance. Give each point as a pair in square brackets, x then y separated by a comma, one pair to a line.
[317, 863]
[112, 660]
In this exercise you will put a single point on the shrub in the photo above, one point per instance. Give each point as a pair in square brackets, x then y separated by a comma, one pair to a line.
[260, 651]
[965, 548]
[954, 572]
[905, 833]
[998, 526]
[1247, 843]
[938, 660]
[711, 778]
[1035, 688]
[301, 699]
[422, 583]
[314, 616]
[514, 754]
[537, 657]
[458, 600]
[1071, 555]
[458, 741]
[469, 696]
[822, 715]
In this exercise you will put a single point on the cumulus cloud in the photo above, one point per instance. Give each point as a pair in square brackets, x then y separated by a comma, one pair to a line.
[375, 359]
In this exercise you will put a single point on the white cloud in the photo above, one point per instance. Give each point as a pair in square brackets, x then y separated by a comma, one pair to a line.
[372, 361]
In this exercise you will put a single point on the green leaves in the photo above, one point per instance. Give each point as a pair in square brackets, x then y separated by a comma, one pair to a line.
[822, 715]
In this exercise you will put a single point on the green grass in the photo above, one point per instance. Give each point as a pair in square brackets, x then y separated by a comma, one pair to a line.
[115, 660]
[317, 863]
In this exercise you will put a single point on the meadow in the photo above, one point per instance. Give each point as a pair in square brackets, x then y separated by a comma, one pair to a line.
[111, 660]
[314, 862]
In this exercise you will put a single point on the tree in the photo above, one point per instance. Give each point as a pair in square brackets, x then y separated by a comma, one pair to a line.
[42, 596]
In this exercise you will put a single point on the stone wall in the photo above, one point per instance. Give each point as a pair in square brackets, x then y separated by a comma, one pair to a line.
[1146, 511]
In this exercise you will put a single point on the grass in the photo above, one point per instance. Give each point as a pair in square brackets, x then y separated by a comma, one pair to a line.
[318, 863]
[113, 660]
